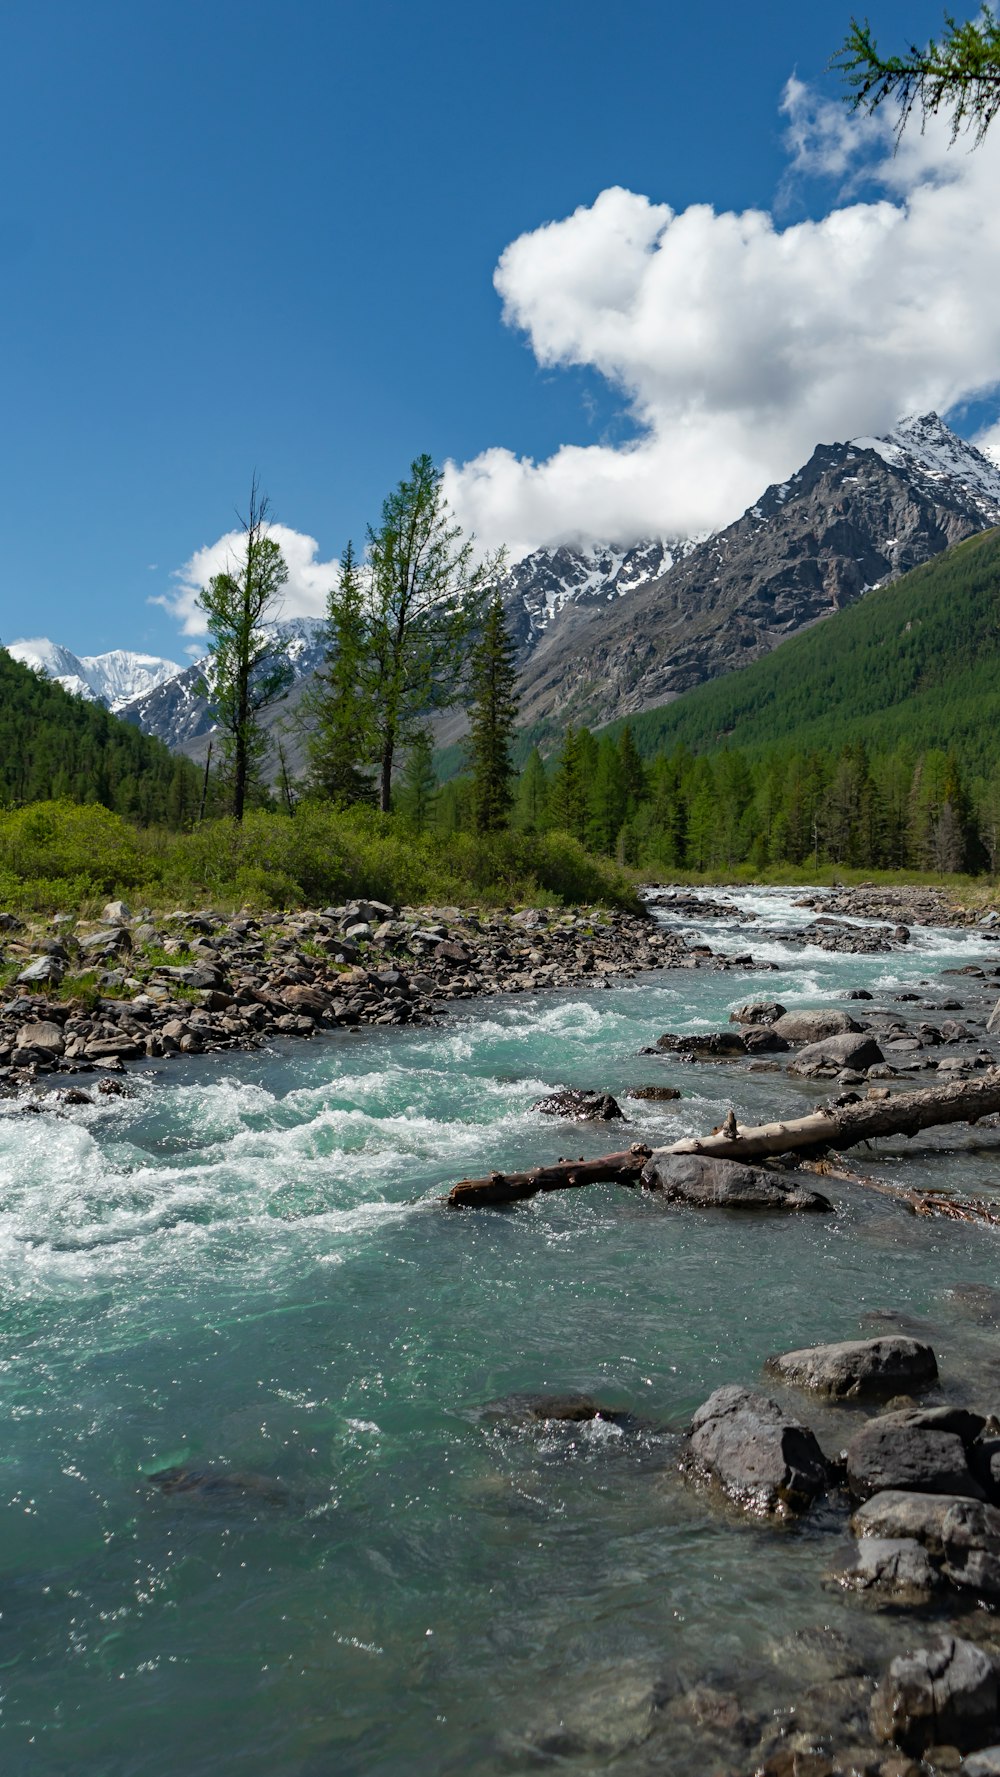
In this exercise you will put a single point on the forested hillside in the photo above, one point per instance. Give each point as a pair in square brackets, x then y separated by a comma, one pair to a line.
[56, 746]
[914, 664]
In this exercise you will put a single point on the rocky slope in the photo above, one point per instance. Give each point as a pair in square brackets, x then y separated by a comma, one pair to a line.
[855, 516]
[114, 679]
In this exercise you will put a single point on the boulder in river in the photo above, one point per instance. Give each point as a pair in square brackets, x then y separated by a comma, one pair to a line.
[894, 1453]
[581, 1105]
[542, 1409]
[895, 1570]
[942, 1695]
[854, 1368]
[716, 1045]
[855, 1050]
[658, 1094]
[761, 1012]
[707, 1183]
[961, 1535]
[765, 1461]
[812, 1027]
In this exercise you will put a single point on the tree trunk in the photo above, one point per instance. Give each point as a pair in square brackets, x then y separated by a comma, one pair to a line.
[385, 777]
[964, 1101]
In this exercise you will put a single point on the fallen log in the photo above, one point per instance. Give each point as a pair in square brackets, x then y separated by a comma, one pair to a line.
[838, 1127]
[511, 1187]
[844, 1126]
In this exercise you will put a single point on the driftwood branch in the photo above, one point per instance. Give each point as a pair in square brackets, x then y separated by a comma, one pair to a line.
[905, 1113]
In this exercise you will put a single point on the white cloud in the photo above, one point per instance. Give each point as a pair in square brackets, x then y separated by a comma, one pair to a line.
[737, 344]
[304, 595]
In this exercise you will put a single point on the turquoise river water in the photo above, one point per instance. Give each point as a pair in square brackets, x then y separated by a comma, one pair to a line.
[244, 1264]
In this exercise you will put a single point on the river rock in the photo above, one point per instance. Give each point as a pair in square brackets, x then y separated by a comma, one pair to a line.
[42, 1034]
[892, 1453]
[985, 1763]
[581, 1106]
[962, 1535]
[942, 1695]
[854, 1368]
[896, 1569]
[220, 1484]
[758, 1012]
[759, 1040]
[658, 1094]
[708, 1183]
[765, 1461]
[540, 1409]
[853, 1049]
[812, 1027]
[720, 1045]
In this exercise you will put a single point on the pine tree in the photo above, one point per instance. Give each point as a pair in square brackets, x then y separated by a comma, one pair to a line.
[961, 74]
[532, 805]
[608, 799]
[492, 715]
[568, 793]
[418, 785]
[633, 770]
[335, 708]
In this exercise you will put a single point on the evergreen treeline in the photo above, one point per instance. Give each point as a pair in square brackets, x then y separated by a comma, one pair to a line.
[55, 746]
[904, 810]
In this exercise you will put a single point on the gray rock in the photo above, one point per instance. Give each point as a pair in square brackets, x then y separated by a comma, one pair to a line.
[849, 1050]
[41, 968]
[658, 1094]
[718, 1044]
[962, 1535]
[116, 913]
[982, 1764]
[942, 1695]
[890, 1453]
[891, 1568]
[758, 1012]
[854, 1368]
[581, 1106]
[813, 1027]
[763, 1460]
[42, 1034]
[706, 1183]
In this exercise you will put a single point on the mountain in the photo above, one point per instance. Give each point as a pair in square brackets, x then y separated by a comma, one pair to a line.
[114, 679]
[916, 664]
[177, 711]
[57, 745]
[854, 517]
[544, 583]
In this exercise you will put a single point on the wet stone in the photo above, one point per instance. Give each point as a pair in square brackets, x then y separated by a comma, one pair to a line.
[707, 1183]
[942, 1695]
[855, 1368]
[765, 1461]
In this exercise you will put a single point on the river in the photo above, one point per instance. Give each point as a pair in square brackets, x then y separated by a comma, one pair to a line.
[243, 1265]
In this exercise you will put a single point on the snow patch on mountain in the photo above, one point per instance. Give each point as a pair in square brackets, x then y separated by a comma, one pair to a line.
[542, 584]
[930, 454]
[113, 679]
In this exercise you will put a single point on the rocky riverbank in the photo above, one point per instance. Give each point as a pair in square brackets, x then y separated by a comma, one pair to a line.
[100, 994]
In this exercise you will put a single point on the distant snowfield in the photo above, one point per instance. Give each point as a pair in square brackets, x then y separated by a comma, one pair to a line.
[113, 679]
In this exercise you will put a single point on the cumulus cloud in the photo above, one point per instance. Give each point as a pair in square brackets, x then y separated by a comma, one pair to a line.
[737, 344]
[304, 594]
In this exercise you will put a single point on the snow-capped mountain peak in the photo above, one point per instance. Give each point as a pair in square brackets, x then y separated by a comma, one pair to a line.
[929, 452]
[113, 679]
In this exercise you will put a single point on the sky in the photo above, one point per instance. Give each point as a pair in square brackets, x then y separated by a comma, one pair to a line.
[615, 267]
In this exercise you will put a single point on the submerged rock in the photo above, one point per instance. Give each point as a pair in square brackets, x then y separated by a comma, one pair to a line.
[854, 1368]
[220, 1484]
[942, 1695]
[581, 1106]
[541, 1409]
[896, 1569]
[765, 1461]
[707, 1183]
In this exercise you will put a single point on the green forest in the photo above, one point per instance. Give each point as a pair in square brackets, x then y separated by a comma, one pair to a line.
[55, 746]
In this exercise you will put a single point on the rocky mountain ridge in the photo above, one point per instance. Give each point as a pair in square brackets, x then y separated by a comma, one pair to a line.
[606, 630]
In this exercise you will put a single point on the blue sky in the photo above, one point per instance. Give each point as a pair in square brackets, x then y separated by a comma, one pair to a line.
[264, 235]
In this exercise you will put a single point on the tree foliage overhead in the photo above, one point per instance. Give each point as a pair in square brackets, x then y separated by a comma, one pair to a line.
[960, 74]
[54, 745]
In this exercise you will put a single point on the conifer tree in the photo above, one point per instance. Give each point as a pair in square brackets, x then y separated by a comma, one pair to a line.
[569, 790]
[532, 807]
[336, 707]
[608, 799]
[960, 74]
[418, 784]
[492, 715]
[249, 668]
